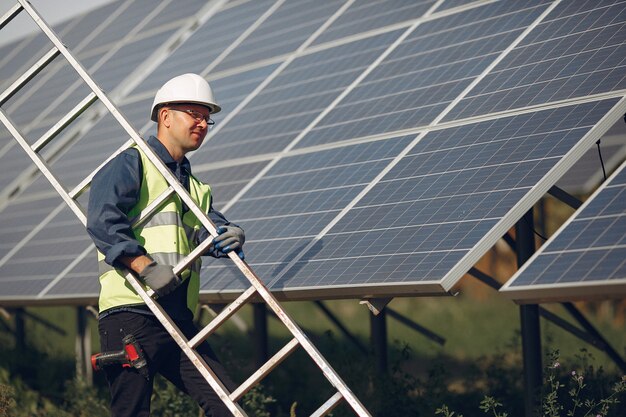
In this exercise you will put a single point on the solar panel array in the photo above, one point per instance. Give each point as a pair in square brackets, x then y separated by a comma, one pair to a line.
[368, 148]
[586, 257]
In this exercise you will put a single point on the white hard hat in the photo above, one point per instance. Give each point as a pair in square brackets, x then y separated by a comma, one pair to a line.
[186, 88]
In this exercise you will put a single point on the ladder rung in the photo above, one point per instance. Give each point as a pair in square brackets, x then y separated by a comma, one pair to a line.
[152, 207]
[328, 405]
[267, 367]
[65, 121]
[8, 16]
[28, 75]
[78, 190]
[224, 315]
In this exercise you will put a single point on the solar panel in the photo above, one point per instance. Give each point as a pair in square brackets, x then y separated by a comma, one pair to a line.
[293, 99]
[586, 258]
[578, 50]
[354, 147]
[290, 25]
[428, 70]
[365, 16]
[212, 38]
[436, 206]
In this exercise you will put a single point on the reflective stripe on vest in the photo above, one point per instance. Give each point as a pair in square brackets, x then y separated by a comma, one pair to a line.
[166, 236]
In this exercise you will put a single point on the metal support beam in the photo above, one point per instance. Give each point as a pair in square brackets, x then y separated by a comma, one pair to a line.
[342, 328]
[564, 196]
[417, 327]
[593, 337]
[48, 324]
[20, 330]
[508, 239]
[261, 340]
[83, 346]
[529, 315]
[606, 347]
[378, 329]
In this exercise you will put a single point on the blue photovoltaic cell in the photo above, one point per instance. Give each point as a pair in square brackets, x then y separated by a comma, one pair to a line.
[37, 98]
[90, 21]
[89, 151]
[578, 50]
[428, 70]
[114, 71]
[173, 11]
[232, 90]
[206, 44]
[28, 54]
[449, 4]
[283, 32]
[441, 199]
[297, 198]
[49, 252]
[275, 116]
[131, 16]
[364, 16]
[228, 181]
[12, 160]
[20, 216]
[589, 249]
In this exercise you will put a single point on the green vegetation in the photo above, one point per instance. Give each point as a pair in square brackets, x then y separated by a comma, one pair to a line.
[478, 366]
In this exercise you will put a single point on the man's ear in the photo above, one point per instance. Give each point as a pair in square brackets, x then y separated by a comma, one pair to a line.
[164, 117]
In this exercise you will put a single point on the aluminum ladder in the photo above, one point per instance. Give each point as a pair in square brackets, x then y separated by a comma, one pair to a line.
[256, 289]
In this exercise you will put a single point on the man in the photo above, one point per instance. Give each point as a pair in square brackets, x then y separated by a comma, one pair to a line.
[119, 192]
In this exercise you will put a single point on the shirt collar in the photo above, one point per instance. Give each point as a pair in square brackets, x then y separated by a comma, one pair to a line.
[165, 156]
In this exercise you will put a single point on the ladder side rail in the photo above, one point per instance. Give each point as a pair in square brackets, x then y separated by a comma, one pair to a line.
[43, 167]
[140, 142]
[167, 323]
[291, 325]
[327, 370]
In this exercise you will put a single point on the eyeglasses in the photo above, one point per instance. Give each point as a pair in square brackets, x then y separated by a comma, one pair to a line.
[197, 116]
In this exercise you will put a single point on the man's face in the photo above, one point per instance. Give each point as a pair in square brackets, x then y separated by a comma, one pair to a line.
[187, 129]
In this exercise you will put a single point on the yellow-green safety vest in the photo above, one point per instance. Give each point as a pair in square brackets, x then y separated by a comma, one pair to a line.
[166, 236]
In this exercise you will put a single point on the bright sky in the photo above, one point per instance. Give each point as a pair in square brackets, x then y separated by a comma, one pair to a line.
[52, 11]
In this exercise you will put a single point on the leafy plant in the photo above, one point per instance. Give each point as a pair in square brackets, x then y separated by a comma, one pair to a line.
[256, 401]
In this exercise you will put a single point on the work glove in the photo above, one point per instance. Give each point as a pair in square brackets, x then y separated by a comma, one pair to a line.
[161, 278]
[229, 238]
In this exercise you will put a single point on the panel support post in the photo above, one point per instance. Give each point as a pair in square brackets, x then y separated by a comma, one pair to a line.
[260, 334]
[378, 329]
[20, 330]
[83, 346]
[529, 314]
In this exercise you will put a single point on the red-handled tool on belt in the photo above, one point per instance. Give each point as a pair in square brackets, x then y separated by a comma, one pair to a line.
[130, 356]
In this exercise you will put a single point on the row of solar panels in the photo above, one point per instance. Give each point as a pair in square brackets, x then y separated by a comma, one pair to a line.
[368, 148]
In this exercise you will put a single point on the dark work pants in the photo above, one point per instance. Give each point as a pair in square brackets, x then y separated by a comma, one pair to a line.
[130, 391]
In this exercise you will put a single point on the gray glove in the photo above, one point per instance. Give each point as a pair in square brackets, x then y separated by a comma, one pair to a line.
[229, 238]
[160, 278]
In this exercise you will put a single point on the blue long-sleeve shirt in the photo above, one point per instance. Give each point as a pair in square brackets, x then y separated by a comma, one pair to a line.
[115, 191]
